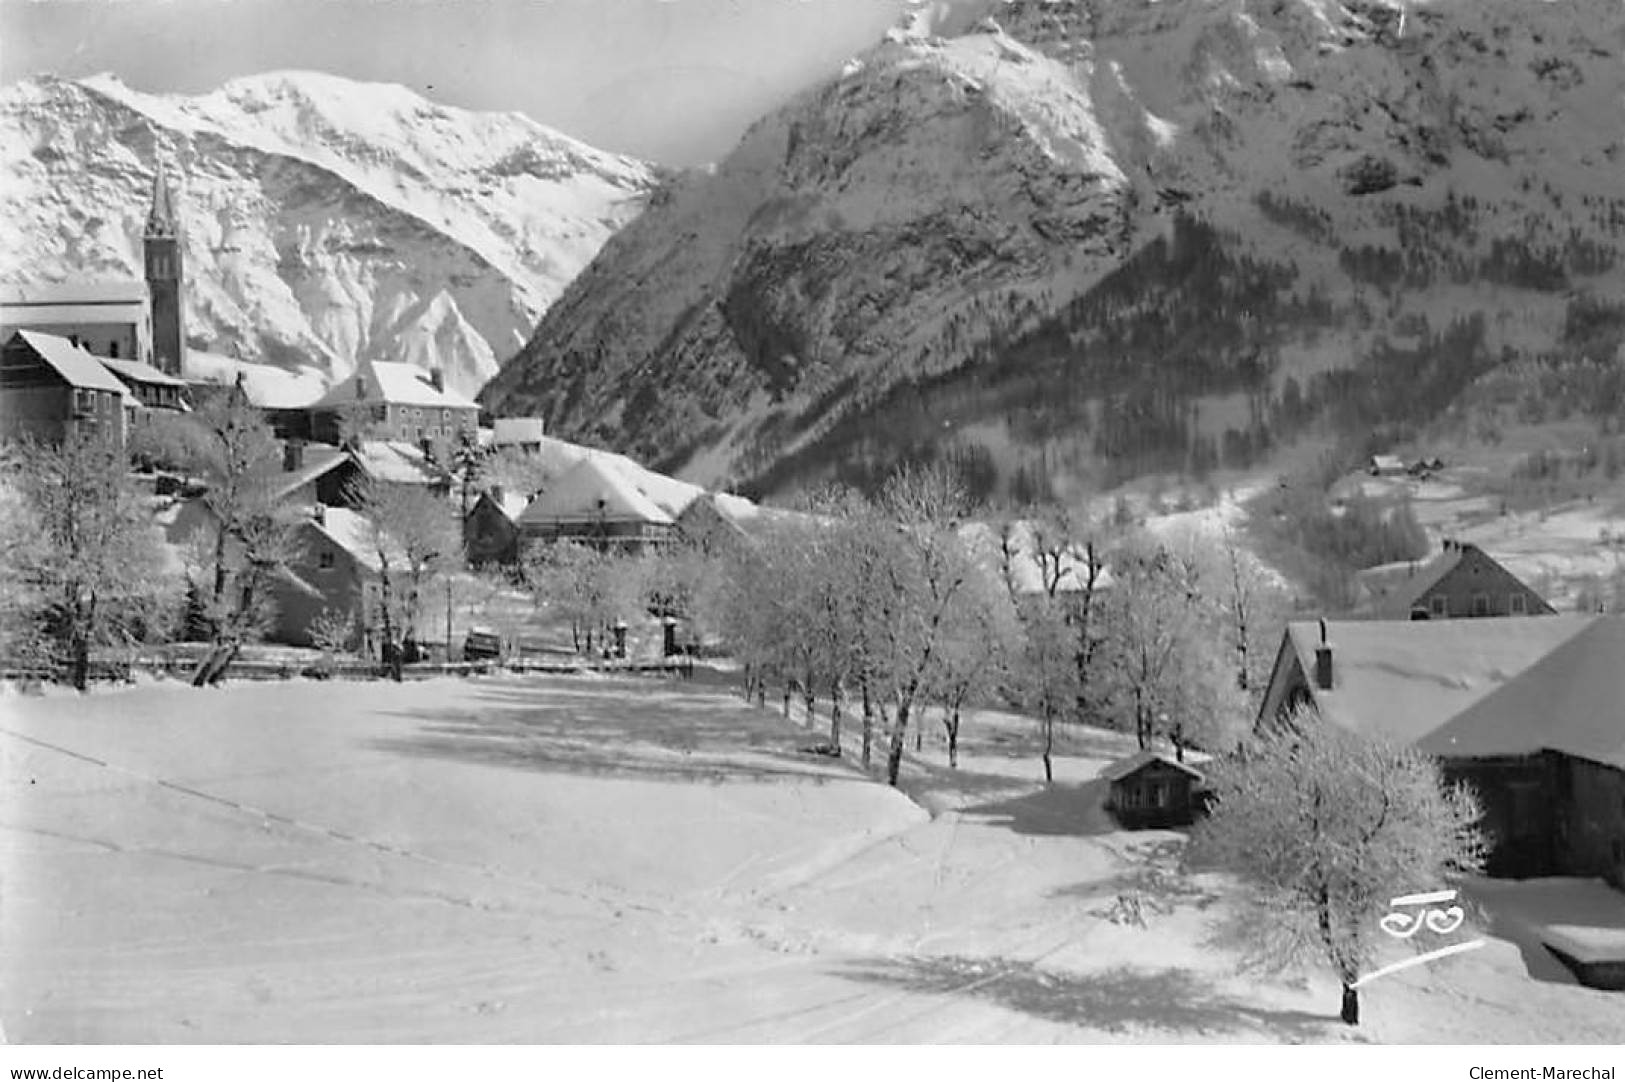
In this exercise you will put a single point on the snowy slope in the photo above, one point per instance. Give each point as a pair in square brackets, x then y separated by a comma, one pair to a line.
[326, 221]
[988, 164]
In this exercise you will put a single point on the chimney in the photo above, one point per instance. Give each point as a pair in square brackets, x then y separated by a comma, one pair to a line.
[293, 455]
[437, 378]
[1323, 661]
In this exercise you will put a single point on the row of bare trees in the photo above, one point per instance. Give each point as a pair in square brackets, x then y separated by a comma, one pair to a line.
[892, 608]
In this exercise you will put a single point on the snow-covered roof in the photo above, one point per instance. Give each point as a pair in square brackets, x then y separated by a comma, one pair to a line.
[1132, 764]
[317, 460]
[393, 382]
[511, 430]
[1571, 700]
[118, 314]
[1405, 679]
[396, 461]
[672, 496]
[512, 504]
[141, 372]
[267, 387]
[593, 491]
[117, 291]
[75, 365]
[355, 534]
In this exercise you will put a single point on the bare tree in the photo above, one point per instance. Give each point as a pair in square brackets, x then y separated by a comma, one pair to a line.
[247, 541]
[1323, 827]
[975, 654]
[414, 536]
[332, 633]
[1158, 628]
[588, 588]
[89, 571]
[919, 590]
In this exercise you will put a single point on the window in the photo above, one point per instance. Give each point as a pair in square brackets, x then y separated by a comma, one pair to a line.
[325, 560]
[1159, 795]
[1481, 604]
[445, 416]
[1436, 605]
[1520, 605]
[1133, 797]
[112, 350]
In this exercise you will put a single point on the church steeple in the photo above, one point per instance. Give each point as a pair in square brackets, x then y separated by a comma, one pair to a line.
[161, 218]
[160, 245]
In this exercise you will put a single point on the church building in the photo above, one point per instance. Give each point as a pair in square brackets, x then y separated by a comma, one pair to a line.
[139, 321]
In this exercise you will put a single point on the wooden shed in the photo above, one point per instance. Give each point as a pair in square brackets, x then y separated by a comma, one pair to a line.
[1150, 789]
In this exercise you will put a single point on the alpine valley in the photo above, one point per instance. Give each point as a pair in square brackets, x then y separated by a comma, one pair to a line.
[326, 221]
[1074, 241]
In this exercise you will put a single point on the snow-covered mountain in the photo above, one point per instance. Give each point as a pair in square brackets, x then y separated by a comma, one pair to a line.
[1039, 232]
[326, 221]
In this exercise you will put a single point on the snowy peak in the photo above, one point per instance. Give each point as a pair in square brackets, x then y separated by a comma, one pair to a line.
[326, 221]
[997, 184]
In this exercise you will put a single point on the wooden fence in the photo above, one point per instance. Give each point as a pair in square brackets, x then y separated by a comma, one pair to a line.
[182, 668]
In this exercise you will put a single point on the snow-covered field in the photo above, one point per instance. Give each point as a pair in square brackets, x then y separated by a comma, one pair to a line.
[616, 860]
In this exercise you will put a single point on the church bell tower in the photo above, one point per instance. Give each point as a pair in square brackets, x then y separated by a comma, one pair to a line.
[161, 246]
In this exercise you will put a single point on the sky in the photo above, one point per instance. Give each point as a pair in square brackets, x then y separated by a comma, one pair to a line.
[674, 81]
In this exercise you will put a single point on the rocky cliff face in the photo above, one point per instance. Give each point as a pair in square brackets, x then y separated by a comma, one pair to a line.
[1091, 211]
[326, 221]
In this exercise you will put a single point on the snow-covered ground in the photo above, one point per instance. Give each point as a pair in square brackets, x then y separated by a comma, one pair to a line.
[1556, 550]
[594, 859]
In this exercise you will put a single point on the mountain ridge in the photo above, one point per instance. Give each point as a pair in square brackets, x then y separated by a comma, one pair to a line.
[879, 229]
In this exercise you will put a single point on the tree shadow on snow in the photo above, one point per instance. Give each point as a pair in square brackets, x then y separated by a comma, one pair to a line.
[1120, 1000]
[1056, 811]
[1154, 872]
[618, 728]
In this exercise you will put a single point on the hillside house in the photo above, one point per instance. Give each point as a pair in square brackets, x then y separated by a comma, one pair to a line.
[1151, 790]
[596, 504]
[1529, 710]
[1461, 582]
[50, 388]
[395, 402]
[491, 529]
[334, 567]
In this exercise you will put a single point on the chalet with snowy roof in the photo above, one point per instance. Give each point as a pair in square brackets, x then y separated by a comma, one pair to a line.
[1529, 710]
[50, 388]
[334, 568]
[1149, 789]
[309, 475]
[1462, 581]
[596, 504]
[396, 402]
[491, 530]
